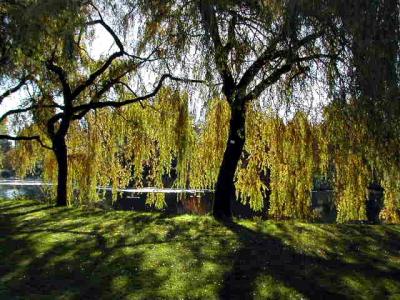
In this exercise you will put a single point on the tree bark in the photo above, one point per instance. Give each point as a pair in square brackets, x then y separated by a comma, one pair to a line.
[60, 151]
[225, 188]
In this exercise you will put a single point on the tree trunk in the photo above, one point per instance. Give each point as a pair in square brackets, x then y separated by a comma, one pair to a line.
[225, 187]
[60, 150]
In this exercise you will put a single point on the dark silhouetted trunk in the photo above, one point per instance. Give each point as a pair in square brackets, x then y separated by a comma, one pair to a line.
[60, 151]
[225, 187]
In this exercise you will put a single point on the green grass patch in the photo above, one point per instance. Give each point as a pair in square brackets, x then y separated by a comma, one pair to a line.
[70, 253]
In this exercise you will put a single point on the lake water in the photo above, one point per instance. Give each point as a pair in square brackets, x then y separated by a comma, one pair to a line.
[179, 201]
[29, 189]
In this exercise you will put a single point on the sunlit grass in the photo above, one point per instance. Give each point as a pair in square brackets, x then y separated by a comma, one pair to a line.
[69, 253]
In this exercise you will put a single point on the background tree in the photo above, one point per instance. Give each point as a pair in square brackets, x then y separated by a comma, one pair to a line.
[362, 121]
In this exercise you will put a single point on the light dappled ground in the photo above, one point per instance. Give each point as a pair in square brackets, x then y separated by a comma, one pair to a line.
[69, 253]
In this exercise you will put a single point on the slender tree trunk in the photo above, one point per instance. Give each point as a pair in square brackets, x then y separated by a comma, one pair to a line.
[225, 187]
[60, 150]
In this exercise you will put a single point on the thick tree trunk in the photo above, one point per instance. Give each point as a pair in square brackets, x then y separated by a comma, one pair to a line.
[60, 150]
[225, 187]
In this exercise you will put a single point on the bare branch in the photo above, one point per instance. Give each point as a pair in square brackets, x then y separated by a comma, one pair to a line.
[128, 87]
[270, 54]
[113, 34]
[210, 24]
[276, 75]
[108, 62]
[231, 33]
[26, 109]
[25, 138]
[109, 30]
[95, 75]
[14, 89]
[111, 82]
[62, 76]
[271, 79]
[317, 56]
[83, 109]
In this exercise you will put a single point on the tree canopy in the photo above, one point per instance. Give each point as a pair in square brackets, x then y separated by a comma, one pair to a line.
[254, 67]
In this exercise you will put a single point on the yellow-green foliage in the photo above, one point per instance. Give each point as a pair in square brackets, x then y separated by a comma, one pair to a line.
[287, 150]
[358, 160]
[351, 181]
[250, 186]
[391, 185]
[293, 163]
[290, 153]
[352, 174]
[387, 166]
[111, 147]
[210, 145]
[28, 155]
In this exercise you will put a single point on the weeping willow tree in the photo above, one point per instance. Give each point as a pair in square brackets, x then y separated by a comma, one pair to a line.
[113, 147]
[280, 159]
[247, 47]
[68, 83]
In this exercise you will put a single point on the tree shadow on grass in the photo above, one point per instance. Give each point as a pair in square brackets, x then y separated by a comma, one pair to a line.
[12, 206]
[76, 254]
[310, 276]
[81, 266]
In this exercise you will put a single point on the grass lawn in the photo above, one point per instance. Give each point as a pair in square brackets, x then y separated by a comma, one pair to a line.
[68, 253]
